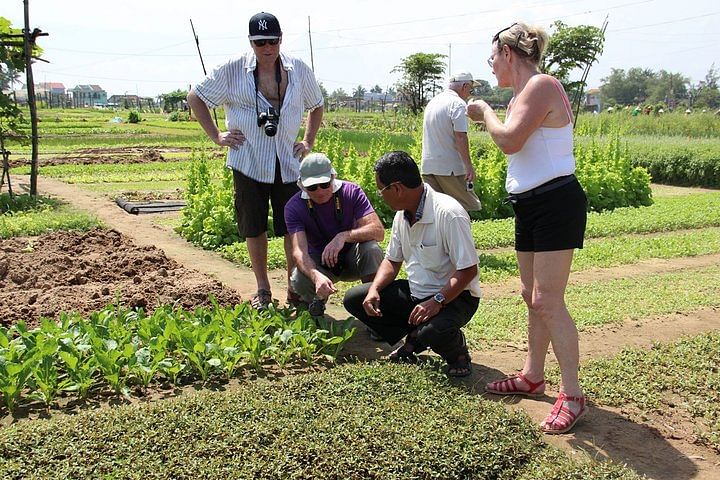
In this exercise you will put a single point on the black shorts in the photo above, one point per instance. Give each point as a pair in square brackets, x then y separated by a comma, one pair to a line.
[551, 221]
[251, 203]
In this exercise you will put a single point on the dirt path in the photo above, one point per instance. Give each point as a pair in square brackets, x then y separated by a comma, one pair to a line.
[648, 447]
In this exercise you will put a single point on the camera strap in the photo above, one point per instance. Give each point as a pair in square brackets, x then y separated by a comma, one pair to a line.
[278, 80]
[338, 215]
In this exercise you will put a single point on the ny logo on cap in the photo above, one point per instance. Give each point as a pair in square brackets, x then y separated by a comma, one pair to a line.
[262, 24]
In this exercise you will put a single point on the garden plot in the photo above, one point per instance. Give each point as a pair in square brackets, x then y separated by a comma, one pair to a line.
[98, 156]
[84, 272]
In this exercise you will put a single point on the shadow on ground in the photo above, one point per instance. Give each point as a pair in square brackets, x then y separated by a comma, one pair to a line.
[602, 433]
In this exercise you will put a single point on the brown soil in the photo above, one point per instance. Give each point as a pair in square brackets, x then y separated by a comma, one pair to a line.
[83, 272]
[95, 156]
[657, 445]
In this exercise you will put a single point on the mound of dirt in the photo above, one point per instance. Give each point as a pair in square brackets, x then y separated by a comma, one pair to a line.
[83, 272]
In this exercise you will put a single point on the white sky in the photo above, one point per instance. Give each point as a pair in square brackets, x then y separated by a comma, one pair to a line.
[147, 47]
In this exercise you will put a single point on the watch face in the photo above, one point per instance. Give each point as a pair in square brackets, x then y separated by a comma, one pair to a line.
[439, 297]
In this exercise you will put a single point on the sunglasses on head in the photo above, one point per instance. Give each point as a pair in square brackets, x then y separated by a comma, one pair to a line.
[263, 42]
[496, 38]
[321, 186]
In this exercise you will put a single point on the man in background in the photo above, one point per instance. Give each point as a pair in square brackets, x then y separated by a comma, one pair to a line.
[446, 164]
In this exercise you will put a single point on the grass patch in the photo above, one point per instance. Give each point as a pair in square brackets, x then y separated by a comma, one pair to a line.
[659, 190]
[123, 172]
[141, 186]
[679, 376]
[356, 421]
[23, 203]
[24, 215]
[601, 303]
[667, 214]
[614, 251]
[167, 221]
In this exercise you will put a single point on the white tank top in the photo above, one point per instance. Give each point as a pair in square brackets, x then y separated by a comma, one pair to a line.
[547, 154]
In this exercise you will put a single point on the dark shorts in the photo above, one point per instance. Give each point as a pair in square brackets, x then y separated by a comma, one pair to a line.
[551, 221]
[251, 203]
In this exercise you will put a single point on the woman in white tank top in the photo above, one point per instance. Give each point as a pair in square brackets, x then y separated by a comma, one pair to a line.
[550, 213]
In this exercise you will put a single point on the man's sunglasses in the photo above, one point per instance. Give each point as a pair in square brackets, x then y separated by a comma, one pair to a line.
[321, 186]
[263, 42]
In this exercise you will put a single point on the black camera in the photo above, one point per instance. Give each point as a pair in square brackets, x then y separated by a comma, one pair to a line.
[269, 121]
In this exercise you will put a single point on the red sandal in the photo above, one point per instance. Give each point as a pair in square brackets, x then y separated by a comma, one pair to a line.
[508, 386]
[561, 419]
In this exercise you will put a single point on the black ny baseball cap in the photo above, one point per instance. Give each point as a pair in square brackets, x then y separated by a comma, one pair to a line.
[264, 26]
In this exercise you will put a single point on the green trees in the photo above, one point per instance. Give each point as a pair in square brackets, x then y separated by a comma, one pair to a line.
[667, 87]
[707, 91]
[626, 88]
[420, 75]
[324, 91]
[570, 49]
[359, 94]
[642, 85]
[12, 64]
[495, 96]
[173, 100]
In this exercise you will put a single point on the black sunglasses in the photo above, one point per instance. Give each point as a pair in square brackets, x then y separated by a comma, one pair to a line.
[321, 186]
[496, 38]
[263, 42]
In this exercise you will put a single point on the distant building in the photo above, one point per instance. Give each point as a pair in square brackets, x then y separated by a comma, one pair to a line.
[124, 101]
[52, 94]
[88, 96]
[592, 100]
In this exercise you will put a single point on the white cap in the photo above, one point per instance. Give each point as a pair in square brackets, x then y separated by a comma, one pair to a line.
[463, 77]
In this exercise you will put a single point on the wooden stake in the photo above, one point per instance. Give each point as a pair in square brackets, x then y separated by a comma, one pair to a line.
[29, 41]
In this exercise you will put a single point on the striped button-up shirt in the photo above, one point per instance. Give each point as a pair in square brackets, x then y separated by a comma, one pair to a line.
[232, 85]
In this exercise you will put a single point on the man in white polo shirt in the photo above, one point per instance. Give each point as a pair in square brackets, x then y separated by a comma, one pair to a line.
[431, 236]
[446, 164]
[265, 94]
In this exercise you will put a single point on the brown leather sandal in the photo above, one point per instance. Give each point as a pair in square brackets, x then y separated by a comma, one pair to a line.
[262, 299]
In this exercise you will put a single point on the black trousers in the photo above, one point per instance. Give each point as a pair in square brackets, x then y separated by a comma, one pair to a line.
[441, 333]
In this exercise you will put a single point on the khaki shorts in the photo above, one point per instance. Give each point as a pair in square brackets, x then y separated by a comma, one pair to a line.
[454, 185]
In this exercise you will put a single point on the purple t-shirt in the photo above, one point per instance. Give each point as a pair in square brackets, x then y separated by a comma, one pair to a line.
[355, 205]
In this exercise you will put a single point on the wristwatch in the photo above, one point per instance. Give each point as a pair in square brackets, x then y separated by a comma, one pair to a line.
[439, 298]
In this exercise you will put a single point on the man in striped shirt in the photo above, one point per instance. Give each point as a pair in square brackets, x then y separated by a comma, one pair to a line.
[264, 93]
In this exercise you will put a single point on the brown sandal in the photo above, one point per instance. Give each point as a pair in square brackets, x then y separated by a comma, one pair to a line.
[461, 367]
[262, 299]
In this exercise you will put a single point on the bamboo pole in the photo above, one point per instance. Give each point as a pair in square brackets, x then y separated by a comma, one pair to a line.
[31, 100]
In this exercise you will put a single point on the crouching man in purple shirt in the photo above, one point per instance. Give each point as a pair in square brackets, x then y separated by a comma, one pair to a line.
[334, 233]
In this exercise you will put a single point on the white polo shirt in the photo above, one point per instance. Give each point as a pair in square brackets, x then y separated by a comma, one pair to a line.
[435, 246]
[444, 115]
[232, 85]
